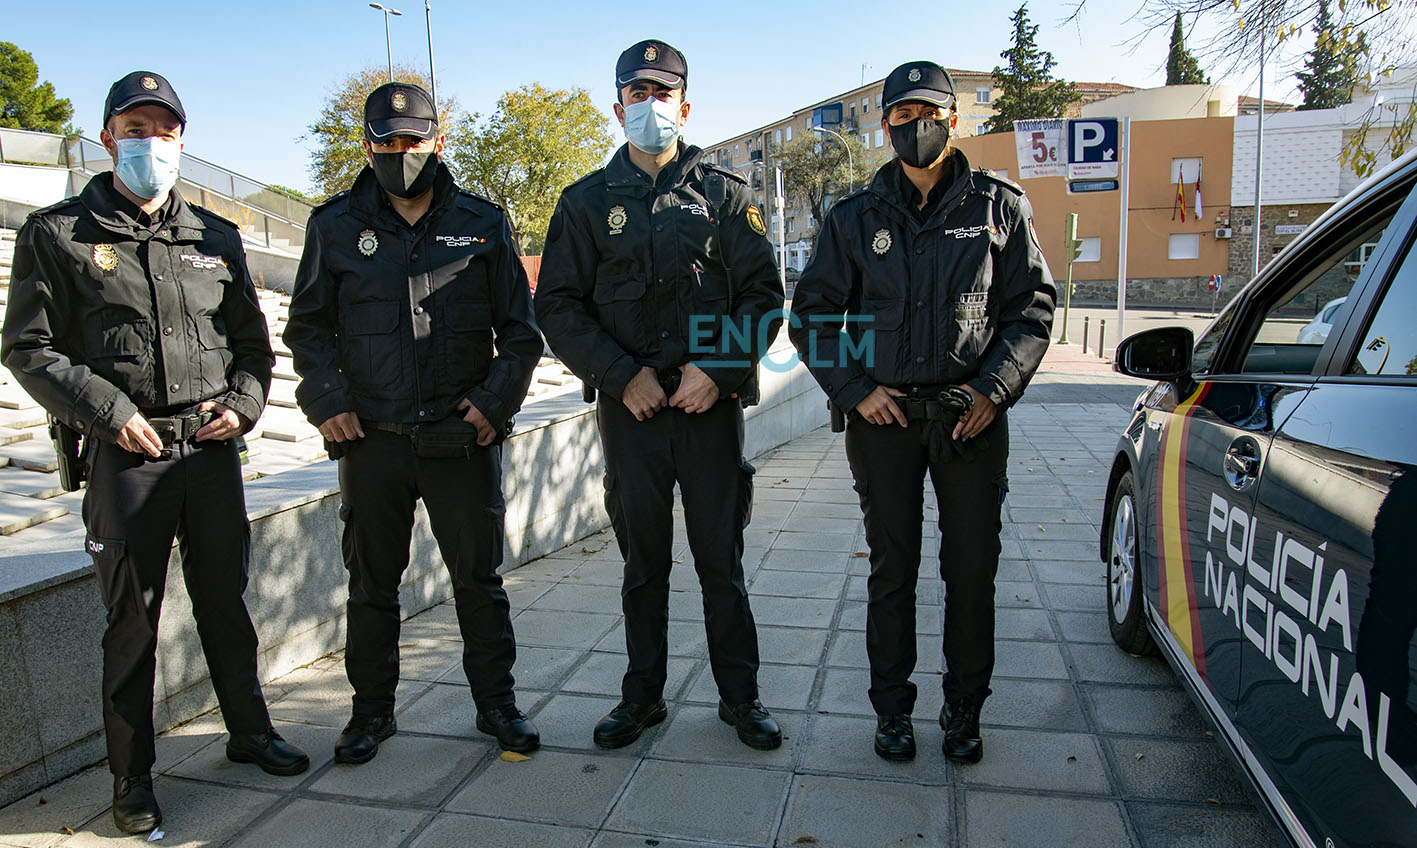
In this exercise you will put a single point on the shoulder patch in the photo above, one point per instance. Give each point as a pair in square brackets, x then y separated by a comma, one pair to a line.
[731, 174]
[204, 212]
[587, 178]
[55, 207]
[329, 201]
[1003, 181]
[462, 192]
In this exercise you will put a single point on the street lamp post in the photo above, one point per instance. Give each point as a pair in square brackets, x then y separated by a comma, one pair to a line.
[850, 160]
[432, 79]
[388, 44]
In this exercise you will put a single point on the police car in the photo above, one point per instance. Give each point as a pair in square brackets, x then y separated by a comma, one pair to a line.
[1260, 527]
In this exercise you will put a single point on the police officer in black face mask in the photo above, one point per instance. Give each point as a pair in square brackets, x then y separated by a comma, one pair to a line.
[646, 262]
[132, 319]
[951, 304]
[406, 285]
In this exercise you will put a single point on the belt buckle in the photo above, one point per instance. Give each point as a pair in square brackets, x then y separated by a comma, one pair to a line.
[166, 433]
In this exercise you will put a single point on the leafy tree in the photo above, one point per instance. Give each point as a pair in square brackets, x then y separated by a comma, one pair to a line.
[339, 131]
[25, 102]
[817, 170]
[535, 143]
[1182, 67]
[1028, 87]
[1332, 67]
[293, 192]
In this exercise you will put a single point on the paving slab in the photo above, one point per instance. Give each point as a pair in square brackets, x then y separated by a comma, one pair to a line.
[312, 823]
[1030, 821]
[569, 788]
[900, 815]
[698, 801]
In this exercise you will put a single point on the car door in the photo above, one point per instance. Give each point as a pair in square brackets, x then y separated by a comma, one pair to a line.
[1327, 700]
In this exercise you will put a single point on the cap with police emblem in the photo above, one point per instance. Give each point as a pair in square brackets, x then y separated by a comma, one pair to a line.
[652, 60]
[399, 108]
[923, 81]
[138, 88]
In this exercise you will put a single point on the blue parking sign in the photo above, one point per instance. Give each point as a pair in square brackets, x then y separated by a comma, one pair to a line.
[1093, 148]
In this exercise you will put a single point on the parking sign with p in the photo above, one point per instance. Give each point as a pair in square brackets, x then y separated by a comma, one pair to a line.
[1092, 148]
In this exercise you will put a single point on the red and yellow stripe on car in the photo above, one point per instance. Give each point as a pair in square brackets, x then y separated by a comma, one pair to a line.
[1179, 604]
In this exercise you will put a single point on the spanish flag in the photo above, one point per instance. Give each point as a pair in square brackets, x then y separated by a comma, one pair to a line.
[1181, 193]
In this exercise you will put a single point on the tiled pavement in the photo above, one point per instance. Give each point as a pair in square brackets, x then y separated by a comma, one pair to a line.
[1084, 745]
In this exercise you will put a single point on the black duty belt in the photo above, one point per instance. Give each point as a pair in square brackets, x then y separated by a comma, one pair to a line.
[931, 403]
[179, 428]
[396, 427]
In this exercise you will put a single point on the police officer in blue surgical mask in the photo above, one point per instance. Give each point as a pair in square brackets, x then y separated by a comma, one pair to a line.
[645, 263]
[938, 261]
[132, 319]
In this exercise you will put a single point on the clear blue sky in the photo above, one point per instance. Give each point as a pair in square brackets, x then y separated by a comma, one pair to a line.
[253, 74]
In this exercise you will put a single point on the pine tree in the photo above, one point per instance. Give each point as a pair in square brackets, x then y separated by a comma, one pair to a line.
[25, 102]
[1332, 66]
[1182, 67]
[1029, 89]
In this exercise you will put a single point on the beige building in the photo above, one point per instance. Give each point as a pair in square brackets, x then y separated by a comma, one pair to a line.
[856, 112]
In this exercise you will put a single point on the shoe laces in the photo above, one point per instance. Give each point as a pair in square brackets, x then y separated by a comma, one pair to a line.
[128, 784]
[508, 712]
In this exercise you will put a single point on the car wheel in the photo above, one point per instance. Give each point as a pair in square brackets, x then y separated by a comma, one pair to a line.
[1125, 618]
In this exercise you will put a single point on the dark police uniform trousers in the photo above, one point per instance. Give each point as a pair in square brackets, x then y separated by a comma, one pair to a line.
[703, 453]
[113, 312]
[954, 293]
[133, 506]
[381, 480]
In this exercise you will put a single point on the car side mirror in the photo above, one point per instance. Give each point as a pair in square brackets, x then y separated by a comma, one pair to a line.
[1160, 354]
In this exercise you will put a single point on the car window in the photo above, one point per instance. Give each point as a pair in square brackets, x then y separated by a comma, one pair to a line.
[1389, 345]
[1294, 327]
[1210, 340]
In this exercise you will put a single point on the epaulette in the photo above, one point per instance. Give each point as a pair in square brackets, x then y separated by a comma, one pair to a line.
[479, 198]
[727, 172]
[207, 213]
[53, 207]
[592, 175]
[329, 200]
[857, 193]
[1003, 181]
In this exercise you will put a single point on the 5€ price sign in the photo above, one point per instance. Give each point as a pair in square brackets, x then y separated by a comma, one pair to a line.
[1042, 147]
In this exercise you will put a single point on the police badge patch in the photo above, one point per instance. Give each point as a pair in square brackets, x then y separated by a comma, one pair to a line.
[368, 242]
[616, 220]
[881, 243]
[914, 75]
[105, 257]
[755, 221]
[399, 101]
[149, 83]
[651, 53]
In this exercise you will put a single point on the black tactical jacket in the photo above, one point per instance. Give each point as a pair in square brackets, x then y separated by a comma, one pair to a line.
[962, 297]
[637, 273]
[397, 323]
[107, 315]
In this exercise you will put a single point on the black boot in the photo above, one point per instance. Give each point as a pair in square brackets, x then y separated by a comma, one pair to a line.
[514, 731]
[895, 738]
[960, 719]
[268, 750]
[135, 807]
[361, 737]
[756, 728]
[626, 722]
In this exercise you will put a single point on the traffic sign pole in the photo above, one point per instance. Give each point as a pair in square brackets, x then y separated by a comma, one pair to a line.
[1122, 238]
[1073, 247]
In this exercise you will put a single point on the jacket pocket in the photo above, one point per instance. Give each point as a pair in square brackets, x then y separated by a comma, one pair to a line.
[217, 355]
[968, 326]
[881, 342]
[619, 300]
[120, 351]
[371, 349]
[466, 345]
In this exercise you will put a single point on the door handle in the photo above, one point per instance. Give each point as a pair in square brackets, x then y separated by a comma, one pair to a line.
[1242, 463]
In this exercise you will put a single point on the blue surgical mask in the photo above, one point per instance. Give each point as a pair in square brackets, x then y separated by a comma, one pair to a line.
[652, 125]
[148, 166]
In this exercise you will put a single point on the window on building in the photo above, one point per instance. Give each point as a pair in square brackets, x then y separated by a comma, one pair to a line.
[865, 105]
[865, 139]
[880, 138]
[789, 132]
[790, 222]
[878, 101]
[777, 137]
[1184, 246]
[1091, 250]
[981, 95]
[1185, 170]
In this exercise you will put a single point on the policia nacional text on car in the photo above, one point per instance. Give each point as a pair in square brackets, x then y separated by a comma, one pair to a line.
[940, 265]
[643, 256]
[406, 285]
[132, 320]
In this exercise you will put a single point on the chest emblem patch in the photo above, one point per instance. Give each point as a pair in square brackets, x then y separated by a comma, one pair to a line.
[617, 220]
[202, 263]
[755, 221]
[105, 257]
[459, 241]
[368, 243]
[881, 243]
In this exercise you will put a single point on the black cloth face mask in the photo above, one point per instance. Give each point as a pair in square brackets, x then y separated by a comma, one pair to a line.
[405, 174]
[920, 142]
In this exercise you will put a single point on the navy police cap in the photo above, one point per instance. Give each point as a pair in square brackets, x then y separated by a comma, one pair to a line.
[651, 60]
[399, 108]
[923, 81]
[138, 88]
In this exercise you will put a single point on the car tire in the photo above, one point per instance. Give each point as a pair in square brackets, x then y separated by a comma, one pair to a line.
[1126, 619]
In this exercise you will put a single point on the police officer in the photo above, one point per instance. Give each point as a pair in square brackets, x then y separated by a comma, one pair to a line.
[948, 305]
[132, 319]
[645, 263]
[405, 282]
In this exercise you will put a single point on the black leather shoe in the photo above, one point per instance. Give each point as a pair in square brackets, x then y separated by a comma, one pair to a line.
[135, 807]
[755, 727]
[960, 719]
[514, 731]
[361, 737]
[895, 738]
[626, 722]
[268, 750]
